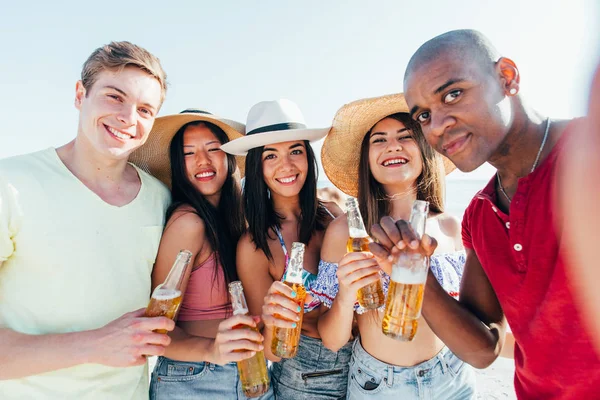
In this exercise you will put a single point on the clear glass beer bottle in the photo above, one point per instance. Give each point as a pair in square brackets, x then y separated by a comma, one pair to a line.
[285, 340]
[370, 296]
[407, 283]
[167, 296]
[253, 371]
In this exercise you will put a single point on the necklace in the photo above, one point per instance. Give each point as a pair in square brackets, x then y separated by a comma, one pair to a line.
[535, 163]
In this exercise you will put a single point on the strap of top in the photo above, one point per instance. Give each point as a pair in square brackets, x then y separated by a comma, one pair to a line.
[329, 212]
[285, 252]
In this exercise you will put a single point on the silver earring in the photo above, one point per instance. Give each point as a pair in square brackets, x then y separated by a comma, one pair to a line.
[269, 193]
[513, 91]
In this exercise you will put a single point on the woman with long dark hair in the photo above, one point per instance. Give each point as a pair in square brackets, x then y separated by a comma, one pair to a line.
[375, 151]
[205, 218]
[281, 207]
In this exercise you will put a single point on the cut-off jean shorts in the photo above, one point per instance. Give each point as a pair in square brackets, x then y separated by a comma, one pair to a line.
[315, 373]
[444, 377]
[183, 380]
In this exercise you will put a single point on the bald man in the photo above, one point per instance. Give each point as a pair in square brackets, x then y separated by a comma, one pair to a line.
[466, 98]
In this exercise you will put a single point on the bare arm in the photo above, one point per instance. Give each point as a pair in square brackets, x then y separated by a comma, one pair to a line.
[122, 343]
[355, 270]
[474, 327]
[185, 230]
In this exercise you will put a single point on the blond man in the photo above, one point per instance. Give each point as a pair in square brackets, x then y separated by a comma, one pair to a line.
[79, 232]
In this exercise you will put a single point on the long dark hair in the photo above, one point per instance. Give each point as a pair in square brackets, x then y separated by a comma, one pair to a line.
[258, 206]
[224, 224]
[372, 199]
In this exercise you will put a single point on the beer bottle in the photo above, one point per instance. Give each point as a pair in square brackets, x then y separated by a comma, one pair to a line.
[285, 340]
[253, 370]
[407, 283]
[370, 296]
[167, 296]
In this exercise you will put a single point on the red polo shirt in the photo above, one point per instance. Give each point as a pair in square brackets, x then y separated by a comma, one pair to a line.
[554, 357]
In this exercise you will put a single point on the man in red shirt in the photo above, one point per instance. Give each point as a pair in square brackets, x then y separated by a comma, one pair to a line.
[466, 98]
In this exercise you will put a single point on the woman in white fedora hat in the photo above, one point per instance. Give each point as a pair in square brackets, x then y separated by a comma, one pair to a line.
[281, 207]
[377, 153]
[205, 218]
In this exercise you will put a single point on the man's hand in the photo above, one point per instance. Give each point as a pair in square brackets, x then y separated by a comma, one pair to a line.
[127, 340]
[394, 237]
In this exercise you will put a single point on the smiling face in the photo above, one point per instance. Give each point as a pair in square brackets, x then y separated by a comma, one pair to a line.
[205, 162]
[394, 155]
[118, 111]
[285, 166]
[461, 106]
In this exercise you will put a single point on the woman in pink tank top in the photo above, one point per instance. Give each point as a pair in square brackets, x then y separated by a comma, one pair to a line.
[206, 219]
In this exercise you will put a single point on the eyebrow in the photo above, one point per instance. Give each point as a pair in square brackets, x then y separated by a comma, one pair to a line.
[206, 144]
[116, 89]
[440, 89]
[385, 133]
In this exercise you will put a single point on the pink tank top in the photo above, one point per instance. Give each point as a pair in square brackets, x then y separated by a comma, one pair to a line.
[206, 296]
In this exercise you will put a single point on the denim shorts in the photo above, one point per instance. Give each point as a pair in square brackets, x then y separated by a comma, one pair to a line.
[183, 380]
[444, 376]
[315, 373]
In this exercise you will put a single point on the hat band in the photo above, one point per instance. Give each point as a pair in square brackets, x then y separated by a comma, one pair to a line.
[277, 127]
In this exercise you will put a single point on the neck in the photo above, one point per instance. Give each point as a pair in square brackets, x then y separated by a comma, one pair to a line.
[214, 199]
[517, 153]
[401, 200]
[287, 207]
[91, 167]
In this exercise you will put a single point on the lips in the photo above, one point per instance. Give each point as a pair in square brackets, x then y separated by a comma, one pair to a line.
[456, 145]
[121, 135]
[394, 162]
[288, 180]
[205, 175]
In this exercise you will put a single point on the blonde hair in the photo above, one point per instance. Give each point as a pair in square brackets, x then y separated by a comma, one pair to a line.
[118, 55]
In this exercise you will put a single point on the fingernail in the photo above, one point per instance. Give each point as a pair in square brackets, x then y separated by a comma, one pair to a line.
[401, 245]
[294, 325]
[414, 244]
[390, 258]
[293, 294]
[298, 308]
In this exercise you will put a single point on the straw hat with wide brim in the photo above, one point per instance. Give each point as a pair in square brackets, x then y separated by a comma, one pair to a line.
[271, 122]
[340, 154]
[153, 156]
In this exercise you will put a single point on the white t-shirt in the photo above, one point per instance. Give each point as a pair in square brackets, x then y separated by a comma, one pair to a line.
[72, 262]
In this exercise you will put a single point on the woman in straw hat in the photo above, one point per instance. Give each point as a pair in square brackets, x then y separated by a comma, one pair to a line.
[377, 152]
[281, 207]
[205, 218]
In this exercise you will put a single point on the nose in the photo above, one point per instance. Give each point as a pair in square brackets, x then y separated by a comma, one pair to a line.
[202, 158]
[127, 115]
[438, 125]
[286, 163]
[394, 145]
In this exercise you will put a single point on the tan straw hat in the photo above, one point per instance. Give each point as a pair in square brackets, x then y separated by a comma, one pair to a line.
[340, 154]
[153, 156]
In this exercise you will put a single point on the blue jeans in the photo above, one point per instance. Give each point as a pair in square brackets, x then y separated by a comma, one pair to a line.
[315, 373]
[444, 376]
[183, 380]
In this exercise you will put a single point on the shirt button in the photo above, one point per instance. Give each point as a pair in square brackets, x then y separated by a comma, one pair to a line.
[508, 225]
[518, 247]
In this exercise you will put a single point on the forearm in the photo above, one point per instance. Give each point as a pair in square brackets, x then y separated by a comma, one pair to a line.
[459, 328]
[23, 355]
[335, 325]
[186, 347]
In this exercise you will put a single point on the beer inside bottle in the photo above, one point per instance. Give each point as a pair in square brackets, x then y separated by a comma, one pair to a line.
[285, 340]
[167, 296]
[407, 284]
[370, 296]
[253, 371]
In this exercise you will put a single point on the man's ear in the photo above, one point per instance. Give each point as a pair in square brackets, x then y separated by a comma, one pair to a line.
[509, 74]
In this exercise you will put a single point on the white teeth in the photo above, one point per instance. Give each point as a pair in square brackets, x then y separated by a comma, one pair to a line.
[118, 134]
[287, 180]
[205, 174]
[394, 161]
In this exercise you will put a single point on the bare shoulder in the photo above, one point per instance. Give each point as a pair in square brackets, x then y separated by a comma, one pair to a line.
[185, 222]
[334, 243]
[249, 258]
[450, 226]
[333, 208]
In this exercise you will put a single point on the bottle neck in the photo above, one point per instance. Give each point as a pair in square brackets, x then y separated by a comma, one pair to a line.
[175, 277]
[238, 300]
[295, 266]
[356, 226]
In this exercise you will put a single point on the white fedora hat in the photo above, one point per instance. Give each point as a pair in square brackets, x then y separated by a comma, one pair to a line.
[272, 122]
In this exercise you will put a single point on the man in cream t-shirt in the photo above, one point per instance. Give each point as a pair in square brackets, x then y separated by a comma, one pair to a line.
[79, 233]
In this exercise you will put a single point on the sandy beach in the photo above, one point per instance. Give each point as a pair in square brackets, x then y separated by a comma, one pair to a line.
[496, 381]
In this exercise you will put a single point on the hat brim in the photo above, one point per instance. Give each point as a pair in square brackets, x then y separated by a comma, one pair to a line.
[242, 145]
[340, 153]
[153, 156]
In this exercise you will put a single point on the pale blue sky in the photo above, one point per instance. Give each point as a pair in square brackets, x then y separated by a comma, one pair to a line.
[225, 56]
